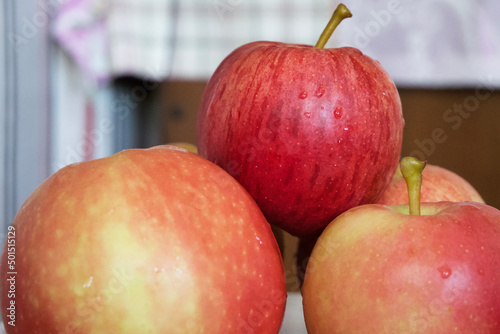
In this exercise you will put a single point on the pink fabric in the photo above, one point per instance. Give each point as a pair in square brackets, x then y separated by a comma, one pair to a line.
[80, 29]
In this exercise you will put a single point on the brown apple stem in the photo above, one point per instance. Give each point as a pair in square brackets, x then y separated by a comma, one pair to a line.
[340, 13]
[412, 168]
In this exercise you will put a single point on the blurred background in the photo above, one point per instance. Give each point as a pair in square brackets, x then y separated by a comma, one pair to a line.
[83, 79]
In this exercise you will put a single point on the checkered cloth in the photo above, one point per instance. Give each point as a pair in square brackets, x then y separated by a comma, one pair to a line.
[425, 42]
[429, 43]
[186, 39]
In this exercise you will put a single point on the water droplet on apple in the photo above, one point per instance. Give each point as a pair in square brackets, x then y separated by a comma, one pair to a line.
[338, 112]
[89, 283]
[307, 114]
[445, 271]
[303, 95]
[320, 91]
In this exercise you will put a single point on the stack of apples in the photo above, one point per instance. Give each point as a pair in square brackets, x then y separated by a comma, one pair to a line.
[315, 136]
[301, 137]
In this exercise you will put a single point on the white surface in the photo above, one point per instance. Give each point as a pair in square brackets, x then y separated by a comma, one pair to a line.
[293, 323]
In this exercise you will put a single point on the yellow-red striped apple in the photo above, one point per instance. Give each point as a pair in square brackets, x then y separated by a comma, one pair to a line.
[440, 184]
[431, 269]
[145, 241]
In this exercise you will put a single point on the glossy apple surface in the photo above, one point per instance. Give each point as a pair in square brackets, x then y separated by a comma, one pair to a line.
[439, 184]
[144, 241]
[185, 146]
[376, 269]
[308, 132]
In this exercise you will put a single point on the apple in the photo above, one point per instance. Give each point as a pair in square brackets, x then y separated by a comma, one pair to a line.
[430, 268]
[186, 146]
[440, 184]
[144, 241]
[309, 132]
[278, 233]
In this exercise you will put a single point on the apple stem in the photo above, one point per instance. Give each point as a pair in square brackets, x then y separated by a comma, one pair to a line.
[340, 13]
[412, 168]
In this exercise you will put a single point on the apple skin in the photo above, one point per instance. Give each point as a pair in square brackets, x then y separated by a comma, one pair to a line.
[378, 270]
[308, 132]
[440, 184]
[144, 241]
[185, 146]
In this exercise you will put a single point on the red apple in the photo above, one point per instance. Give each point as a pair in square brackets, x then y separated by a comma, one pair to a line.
[144, 241]
[309, 132]
[377, 269]
[440, 184]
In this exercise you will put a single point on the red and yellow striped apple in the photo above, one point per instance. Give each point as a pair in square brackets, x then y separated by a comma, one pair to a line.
[185, 146]
[309, 132]
[440, 184]
[405, 269]
[145, 241]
